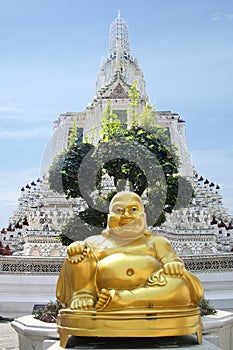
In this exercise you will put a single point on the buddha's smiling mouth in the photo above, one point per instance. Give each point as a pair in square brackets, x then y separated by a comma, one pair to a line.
[127, 224]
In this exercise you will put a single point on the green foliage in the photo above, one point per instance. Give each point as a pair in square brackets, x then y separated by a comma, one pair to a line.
[141, 157]
[55, 176]
[73, 134]
[110, 125]
[133, 104]
[64, 236]
[91, 215]
[71, 165]
[63, 174]
[82, 225]
[206, 308]
[148, 117]
[140, 144]
[49, 312]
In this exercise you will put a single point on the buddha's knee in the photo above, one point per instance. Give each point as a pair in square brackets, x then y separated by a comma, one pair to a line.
[179, 290]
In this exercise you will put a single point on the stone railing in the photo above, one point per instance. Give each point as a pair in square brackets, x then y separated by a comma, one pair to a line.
[209, 262]
[30, 265]
[52, 265]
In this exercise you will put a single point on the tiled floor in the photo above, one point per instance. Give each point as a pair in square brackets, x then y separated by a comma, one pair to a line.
[8, 337]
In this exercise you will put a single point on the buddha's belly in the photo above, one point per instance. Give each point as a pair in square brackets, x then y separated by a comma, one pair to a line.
[125, 271]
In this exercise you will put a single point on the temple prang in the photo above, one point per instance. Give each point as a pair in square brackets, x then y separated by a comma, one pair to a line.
[205, 227]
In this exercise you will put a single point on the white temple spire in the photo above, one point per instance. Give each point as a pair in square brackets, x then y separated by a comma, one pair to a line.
[118, 55]
[119, 64]
[119, 37]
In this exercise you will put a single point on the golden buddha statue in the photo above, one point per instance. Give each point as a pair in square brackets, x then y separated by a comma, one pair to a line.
[125, 269]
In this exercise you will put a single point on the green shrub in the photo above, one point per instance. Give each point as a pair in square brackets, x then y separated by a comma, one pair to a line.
[206, 308]
[49, 312]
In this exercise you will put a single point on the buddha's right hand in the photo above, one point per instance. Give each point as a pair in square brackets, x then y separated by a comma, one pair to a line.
[77, 251]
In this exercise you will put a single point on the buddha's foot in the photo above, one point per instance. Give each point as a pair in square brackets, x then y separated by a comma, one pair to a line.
[82, 302]
[105, 298]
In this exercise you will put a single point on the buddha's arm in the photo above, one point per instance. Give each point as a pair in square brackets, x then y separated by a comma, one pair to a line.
[79, 250]
[167, 256]
[78, 277]
[173, 265]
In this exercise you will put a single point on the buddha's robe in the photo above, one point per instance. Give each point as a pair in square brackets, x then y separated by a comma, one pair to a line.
[134, 271]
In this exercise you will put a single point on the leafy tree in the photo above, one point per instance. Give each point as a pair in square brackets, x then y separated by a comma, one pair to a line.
[63, 174]
[148, 117]
[78, 227]
[70, 169]
[110, 125]
[160, 160]
[141, 157]
[72, 140]
[55, 173]
[133, 104]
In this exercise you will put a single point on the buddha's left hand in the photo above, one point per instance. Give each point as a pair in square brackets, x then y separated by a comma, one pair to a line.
[173, 268]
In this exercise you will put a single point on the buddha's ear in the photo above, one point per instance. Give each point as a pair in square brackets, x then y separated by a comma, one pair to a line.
[105, 233]
[147, 233]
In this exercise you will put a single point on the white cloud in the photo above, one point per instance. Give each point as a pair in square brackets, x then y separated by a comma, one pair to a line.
[24, 134]
[228, 17]
[10, 109]
[18, 114]
[216, 166]
[10, 185]
[227, 194]
[219, 160]
[10, 182]
[7, 210]
[218, 16]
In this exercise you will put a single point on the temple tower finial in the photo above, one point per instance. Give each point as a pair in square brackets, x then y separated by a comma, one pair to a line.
[120, 65]
[119, 37]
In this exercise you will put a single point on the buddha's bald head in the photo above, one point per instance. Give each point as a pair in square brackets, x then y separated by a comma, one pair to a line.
[126, 197]
[127, 218]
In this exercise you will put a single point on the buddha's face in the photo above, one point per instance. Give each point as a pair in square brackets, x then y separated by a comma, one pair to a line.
[127, 218]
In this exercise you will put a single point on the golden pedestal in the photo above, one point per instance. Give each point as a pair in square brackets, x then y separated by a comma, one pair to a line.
[130, 323]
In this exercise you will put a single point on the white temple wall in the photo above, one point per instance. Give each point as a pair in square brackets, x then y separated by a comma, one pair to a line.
[19, 293]
[218, 287]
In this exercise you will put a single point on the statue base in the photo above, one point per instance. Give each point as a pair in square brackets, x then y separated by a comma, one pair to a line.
[129, 323]
[186, 342]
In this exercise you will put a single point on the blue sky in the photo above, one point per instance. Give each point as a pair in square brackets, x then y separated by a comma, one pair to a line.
[51, 52]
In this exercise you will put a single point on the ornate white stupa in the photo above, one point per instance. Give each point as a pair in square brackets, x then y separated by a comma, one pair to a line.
[202, 228]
